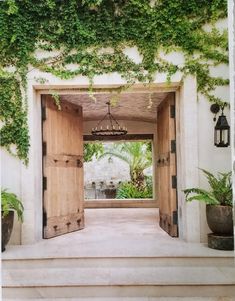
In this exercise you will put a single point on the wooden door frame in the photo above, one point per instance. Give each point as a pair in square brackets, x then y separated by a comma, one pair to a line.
[187, 159]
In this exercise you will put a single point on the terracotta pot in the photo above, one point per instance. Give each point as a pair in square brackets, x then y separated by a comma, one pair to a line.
[220, 219]
[7, 226]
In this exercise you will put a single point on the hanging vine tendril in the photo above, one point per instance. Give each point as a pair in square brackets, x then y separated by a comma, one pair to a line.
[92, 35]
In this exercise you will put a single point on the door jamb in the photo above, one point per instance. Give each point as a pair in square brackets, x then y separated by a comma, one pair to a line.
[187, 162]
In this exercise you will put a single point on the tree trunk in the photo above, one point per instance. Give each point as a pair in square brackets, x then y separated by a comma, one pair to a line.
[137, 178]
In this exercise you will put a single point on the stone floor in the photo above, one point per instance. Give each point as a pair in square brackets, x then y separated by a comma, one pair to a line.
[115, 232]
[121, 255]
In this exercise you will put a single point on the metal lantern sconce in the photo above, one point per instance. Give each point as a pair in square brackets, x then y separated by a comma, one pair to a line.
[222, 128]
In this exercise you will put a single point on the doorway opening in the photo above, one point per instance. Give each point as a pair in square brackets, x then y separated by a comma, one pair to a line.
[118, 170]
[66, 130]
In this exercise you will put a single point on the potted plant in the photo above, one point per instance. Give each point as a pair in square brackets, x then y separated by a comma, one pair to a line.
[219, 211]
[9, 204]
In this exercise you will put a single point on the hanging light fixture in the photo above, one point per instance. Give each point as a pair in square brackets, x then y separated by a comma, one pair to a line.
[108, 126]
[222, 130]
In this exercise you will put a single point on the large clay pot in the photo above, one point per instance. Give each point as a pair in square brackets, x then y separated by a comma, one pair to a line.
[7, 226]
[220, 219]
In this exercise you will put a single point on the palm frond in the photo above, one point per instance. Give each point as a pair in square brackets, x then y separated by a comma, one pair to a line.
[114, 154]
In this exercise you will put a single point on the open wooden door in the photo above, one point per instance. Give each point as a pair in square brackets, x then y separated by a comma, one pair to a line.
[63, 197]
[166, 166]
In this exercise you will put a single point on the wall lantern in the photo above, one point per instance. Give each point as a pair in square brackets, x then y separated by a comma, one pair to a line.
[222, 128]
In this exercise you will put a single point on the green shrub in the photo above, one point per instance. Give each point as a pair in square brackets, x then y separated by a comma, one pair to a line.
[128, 190]
[9, 201]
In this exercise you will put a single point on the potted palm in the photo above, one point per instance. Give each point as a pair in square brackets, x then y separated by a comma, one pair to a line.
[9, 204]
[219, 211]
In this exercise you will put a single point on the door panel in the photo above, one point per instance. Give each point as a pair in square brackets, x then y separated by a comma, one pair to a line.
[166, 166]
[63, 201]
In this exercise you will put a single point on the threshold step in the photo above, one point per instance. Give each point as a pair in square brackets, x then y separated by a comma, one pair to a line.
[132, 299]
[106, 293]
[122, 247]
[45, 277]
[91, 262]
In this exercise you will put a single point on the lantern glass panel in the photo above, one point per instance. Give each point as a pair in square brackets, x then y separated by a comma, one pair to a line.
[222, 132]
[222, 138]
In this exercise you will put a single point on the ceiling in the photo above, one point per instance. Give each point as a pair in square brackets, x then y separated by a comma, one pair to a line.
[130, 106]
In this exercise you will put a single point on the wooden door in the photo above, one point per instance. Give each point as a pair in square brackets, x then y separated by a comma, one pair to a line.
[166, 166]
[63, 197]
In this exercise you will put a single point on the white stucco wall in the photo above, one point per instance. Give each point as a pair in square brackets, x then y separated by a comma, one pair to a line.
[27, 181]
[231, 22]
[211, 158]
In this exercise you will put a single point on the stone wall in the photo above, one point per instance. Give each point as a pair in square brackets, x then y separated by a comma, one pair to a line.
[99, 174]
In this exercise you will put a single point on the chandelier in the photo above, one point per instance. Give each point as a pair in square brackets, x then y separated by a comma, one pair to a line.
[108, 126]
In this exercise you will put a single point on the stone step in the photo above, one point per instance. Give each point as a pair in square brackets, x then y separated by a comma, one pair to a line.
[119, 282]
[89, 262]
[219, 293]
[131, 299]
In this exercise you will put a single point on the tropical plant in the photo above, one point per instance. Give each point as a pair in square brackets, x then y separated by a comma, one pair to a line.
[9, 201]
[92, 149]
[219, 194]
[137, 155]
[128, 190]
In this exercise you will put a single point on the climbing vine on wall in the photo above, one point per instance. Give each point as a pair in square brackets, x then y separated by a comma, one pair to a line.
[89, 37]
[14, 130]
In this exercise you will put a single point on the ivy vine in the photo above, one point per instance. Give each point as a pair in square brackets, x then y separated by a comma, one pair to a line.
[14, 130]
[92, 35]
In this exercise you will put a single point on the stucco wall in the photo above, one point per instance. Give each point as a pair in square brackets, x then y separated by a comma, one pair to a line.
[27, 181]
[231, 19]
[211, 158]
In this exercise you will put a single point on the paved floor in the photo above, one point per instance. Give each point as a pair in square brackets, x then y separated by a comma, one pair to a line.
[114, 232]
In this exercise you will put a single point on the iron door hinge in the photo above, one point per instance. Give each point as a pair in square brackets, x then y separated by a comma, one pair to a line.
[174, 182]
[44, 113]
[44, 218]
[172, 111]
[173, 146]
[175, 217]
[44, 148]
[44, 183]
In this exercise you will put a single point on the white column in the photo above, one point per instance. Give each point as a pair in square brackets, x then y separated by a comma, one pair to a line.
[231, 32]
[31, 176]
[187, 158]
